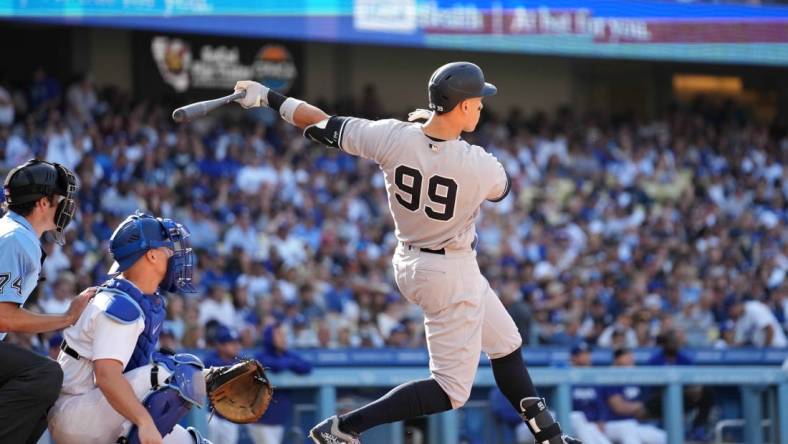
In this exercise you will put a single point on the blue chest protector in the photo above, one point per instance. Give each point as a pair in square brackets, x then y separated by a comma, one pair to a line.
[154, 310]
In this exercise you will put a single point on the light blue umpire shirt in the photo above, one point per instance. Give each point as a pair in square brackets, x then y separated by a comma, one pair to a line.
[20, 259]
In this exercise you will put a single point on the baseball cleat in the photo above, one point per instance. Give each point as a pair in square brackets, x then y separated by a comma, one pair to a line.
[327, 432]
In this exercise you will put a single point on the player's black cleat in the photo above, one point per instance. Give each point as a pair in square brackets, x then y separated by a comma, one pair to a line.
[561, 439]
[327, 432]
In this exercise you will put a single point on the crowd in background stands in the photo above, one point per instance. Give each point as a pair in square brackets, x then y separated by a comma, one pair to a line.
[615, 231]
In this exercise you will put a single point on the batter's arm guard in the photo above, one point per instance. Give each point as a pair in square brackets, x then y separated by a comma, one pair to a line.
[327, 132]
[293, 111]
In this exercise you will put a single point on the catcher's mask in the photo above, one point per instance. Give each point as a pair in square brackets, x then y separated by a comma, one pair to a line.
[36, 179]
[142, 232]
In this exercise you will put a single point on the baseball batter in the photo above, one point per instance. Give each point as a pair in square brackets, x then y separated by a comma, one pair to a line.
[435, 183]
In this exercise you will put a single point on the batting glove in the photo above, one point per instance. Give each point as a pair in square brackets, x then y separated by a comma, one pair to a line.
[256, 94]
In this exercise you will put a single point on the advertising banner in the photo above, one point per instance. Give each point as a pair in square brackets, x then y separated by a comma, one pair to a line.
[200, 66]
[663, 30]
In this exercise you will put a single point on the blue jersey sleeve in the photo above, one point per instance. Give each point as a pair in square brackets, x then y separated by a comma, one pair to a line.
[606, 412]
[608, 392]
[631, 393]
[18, 273]
[588, 400]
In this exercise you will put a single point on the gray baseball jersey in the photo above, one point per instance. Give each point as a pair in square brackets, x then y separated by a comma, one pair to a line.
[434, 187]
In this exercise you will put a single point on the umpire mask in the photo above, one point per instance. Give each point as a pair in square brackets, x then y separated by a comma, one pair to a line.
[67, 187]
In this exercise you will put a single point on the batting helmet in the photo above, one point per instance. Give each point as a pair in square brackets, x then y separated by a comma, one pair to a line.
[454, 82]
[35, 179]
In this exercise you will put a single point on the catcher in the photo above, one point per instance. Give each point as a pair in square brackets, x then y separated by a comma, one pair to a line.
[116, 388]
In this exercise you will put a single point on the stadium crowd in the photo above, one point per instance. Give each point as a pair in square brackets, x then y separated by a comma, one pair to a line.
[616, 229]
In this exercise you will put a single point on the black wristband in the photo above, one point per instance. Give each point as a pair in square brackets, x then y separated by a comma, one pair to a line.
[275, 100]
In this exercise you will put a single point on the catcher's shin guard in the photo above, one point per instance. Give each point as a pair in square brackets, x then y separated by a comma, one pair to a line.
[541, 423]
[171, 401]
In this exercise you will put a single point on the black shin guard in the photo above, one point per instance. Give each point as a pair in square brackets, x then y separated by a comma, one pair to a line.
[409, 400]
[540, 421]
[512, 378]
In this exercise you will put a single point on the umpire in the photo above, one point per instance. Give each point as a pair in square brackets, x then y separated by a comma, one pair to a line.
[39, 199]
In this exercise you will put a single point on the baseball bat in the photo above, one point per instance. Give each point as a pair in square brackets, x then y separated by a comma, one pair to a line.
[199, 109]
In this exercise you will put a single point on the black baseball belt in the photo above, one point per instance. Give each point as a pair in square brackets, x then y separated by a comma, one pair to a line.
[425, 250]
[442, 251]
[154, 371]
[69, 351]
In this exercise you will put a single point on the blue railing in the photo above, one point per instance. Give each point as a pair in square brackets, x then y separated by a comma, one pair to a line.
[540, 356]
[753, 383]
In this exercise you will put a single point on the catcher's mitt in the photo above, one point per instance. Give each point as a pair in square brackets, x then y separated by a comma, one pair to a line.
[240, 392]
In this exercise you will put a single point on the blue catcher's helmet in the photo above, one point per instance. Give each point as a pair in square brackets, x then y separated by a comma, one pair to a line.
[142, 232]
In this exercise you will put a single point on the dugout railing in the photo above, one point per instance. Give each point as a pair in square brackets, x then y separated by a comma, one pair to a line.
[764, 394]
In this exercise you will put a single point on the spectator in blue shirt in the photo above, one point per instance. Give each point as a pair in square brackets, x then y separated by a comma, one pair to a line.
[670, 352]
[587, 402]
[697, 398]
[44, 91]
[624, 405]
[276, 358]
[228, 348]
